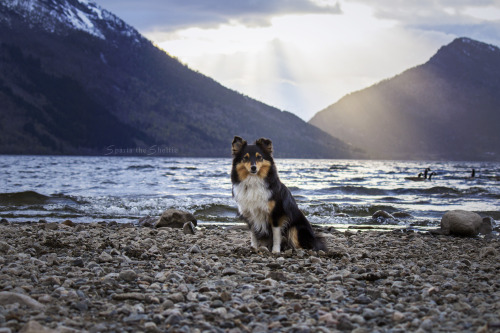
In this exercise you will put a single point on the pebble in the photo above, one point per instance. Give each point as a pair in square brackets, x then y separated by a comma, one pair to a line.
[118, 278]
[128, 275]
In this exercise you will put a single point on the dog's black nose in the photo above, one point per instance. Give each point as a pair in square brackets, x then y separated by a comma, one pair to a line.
[253, 169]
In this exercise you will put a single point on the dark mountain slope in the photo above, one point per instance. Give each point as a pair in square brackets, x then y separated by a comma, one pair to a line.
[447, 108]
[75, 79]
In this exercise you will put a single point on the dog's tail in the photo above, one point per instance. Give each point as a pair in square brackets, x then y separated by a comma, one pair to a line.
[303, 236]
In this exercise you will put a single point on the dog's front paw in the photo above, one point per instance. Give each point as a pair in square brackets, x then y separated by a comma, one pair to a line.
[276, 249]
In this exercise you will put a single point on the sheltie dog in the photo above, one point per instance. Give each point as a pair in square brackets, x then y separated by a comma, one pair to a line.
[265, 203]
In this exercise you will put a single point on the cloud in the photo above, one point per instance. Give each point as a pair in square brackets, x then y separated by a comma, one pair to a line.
[172, 15]
[479, 19]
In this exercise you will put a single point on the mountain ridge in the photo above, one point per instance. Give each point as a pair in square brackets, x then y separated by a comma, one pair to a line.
[444, 109]
[80, 88]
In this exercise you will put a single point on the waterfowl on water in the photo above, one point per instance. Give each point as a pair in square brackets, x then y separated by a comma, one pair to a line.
[426, 171]
[419, 178]
[416, 179]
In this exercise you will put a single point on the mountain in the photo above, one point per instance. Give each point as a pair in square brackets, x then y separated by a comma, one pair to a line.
[445, 109]
[76, 79]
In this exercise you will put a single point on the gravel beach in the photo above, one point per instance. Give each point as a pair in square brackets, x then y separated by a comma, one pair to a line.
[110, 277]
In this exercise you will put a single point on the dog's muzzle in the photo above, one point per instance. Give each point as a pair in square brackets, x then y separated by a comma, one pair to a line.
[253, 169]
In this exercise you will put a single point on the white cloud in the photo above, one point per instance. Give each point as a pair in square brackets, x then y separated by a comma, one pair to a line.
[302, 55]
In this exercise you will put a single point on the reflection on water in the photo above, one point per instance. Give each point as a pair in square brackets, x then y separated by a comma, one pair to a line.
[328, 191]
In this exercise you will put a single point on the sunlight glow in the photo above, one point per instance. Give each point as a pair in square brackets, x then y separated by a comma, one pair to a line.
[301, 63]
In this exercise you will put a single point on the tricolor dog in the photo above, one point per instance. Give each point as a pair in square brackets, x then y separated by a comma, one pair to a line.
[265, 203]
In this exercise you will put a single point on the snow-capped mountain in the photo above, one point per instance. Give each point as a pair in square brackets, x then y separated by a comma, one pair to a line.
[76, 79]
[58, 16]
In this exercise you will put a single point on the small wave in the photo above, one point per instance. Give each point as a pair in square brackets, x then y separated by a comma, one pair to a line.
[494, 214]
[338, 167]
[359, 190]
[23, 198]
[32, 198]
[181, 168]
[217, 213]
[440, 190]
[140, 167]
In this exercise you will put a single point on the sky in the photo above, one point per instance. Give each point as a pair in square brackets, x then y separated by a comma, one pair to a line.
[304, 55]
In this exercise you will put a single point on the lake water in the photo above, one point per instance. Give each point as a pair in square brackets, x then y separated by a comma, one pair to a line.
[124, 189]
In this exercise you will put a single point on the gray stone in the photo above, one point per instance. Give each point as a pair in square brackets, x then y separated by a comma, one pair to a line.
[148, 221]
[382, 214]
[128, 275]
[488, 251]
[195, 249]
[135, 317]
[461, 223]
[188, 228]
[176, 297]
[7, 297]
[34, 327]
[105, 257]
[174, 218]
[4, 247]
[487, 226]
[229, 271]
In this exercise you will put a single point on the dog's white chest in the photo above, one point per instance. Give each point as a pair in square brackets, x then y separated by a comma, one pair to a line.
[252, 196]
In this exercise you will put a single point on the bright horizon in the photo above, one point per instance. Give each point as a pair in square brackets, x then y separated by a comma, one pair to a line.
[302, 56]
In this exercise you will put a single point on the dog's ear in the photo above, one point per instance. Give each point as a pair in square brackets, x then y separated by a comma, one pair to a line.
[238, 145]
[265, 144]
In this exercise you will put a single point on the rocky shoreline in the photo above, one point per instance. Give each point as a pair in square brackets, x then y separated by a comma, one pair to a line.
[109, 277]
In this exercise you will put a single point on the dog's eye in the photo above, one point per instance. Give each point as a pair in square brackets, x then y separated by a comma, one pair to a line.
[259, 158]
[245, 158]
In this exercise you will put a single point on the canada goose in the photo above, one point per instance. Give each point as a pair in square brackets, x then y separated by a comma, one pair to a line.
[426, 171]
[419, 178]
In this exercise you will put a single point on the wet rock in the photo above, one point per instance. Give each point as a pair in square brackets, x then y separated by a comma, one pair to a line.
[69, 223]
[461, 223]
[382, 214]
[174, 218]
[401, 215]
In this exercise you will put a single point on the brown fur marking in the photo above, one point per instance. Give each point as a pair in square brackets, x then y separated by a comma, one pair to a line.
[242, 170]
[293, 237]
[263, 168]
[282, 221]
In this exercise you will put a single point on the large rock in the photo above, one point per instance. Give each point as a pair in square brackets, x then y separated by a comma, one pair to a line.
[461, 223]
[174, 218]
